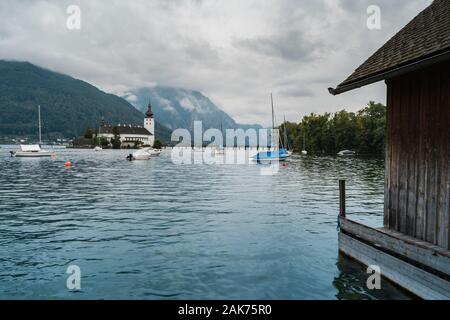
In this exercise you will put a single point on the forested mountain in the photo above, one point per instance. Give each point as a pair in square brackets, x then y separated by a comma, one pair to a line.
[68, 105]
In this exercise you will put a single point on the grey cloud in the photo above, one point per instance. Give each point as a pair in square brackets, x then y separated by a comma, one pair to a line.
[290, 45]
[234, 51]
[295, 91]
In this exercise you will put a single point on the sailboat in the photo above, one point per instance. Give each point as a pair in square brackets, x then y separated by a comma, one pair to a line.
[286, 140]
[195, 148]
[33, 150]
[304, 152]
[272, 155]
[220, 150]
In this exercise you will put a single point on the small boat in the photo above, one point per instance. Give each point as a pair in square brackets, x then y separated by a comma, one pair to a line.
[141, 154]
[97, 148]
[32, 151]
[219, 149]
[304, 152]
[154, 152]
[144, 154]
[289, 153]
[275, 155]
[346, 153]
[272, 155]
[286, 144]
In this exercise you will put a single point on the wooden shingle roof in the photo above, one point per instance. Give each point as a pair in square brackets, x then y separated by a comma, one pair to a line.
[425, 38]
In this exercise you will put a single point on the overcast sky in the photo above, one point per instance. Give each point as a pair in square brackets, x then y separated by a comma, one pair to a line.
[235, 52]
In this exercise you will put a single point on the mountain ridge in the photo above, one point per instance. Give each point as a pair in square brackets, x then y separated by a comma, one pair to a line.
[180, 107]
[68, 105]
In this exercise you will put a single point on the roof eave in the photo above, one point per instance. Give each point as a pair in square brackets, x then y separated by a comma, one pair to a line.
[391, 73]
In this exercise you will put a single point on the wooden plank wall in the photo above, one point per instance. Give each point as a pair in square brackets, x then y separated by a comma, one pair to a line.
[417, 193]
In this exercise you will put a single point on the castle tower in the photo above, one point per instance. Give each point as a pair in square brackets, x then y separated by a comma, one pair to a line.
[149, 124]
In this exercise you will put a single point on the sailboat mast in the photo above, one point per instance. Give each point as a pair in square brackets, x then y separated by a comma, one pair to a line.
[40, 132]
[221, 132]
[273, 115]
[286, 139]
[304, 141]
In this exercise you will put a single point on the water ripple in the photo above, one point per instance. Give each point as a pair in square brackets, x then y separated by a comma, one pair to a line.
[155, 230]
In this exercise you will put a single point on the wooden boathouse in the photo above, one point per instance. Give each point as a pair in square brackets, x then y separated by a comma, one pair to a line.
[413, 247]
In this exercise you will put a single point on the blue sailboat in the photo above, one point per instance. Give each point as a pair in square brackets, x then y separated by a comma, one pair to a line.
[276, 155]
[272, 155]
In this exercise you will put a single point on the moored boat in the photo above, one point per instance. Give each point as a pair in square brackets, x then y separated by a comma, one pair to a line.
[154, 152]
[144, 154]
[275, 155]
[32, 151]
[141, 154]
[286, 144]
[346, 153]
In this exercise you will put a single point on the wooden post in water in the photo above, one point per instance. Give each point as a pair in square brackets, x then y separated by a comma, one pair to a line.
[342, 198]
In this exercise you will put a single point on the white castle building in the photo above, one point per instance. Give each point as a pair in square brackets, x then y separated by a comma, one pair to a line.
[131, 135]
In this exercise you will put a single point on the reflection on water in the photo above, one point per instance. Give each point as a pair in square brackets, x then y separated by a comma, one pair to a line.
[155, 230]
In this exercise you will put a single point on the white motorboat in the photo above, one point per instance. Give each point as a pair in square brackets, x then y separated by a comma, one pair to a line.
[144, 154]
[154, 152]
[346, 153]
[97, 148]
[141, 154]
[32, 151]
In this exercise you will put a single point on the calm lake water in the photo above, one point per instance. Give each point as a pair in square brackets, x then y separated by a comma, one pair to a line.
[155, 230]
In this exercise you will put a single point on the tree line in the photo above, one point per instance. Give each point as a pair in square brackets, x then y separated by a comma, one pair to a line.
[362, 132]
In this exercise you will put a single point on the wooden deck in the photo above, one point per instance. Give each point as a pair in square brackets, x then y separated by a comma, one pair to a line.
[419, 267]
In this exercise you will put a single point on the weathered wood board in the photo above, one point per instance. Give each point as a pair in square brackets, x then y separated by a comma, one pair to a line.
[413, 279]
[421, 252]
[417, 189]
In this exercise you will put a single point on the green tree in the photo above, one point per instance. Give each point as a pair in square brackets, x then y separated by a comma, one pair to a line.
[157, 144]
[344, 131]
[89, 133]
[115, 141]
[103, 142]
[137, 144]
[371, 128]
[363, 131]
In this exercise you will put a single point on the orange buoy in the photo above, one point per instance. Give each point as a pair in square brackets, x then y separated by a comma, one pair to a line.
[68, 164]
